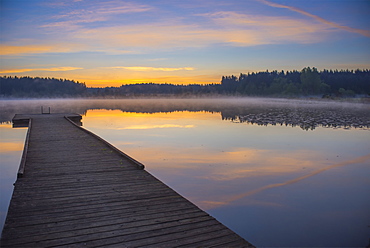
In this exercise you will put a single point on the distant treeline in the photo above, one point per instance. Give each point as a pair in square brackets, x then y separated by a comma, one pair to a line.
[151, 89]
[40, 87]
[308, 82]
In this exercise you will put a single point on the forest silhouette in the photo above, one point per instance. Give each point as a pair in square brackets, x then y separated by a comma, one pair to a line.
[307, 82]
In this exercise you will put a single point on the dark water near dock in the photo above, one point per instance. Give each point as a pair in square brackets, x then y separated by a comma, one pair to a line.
[278, 172]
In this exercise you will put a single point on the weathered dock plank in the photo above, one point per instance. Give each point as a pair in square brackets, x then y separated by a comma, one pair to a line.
[76, 190]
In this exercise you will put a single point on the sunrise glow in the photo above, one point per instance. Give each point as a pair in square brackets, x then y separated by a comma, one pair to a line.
[110, 43]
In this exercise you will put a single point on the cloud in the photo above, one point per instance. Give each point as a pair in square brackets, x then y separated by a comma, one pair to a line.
[317, 18]
[35, 49]
[39, 69]
[289, 182]
[150, 36]
[90, 16]
[220, 28]
[158, 126]
[10, 147]
[245, 29]
[107, 27]
[96, 12]
[260, 162]
[142, 68]
[13, 50]
[157, 59]
[117, 7]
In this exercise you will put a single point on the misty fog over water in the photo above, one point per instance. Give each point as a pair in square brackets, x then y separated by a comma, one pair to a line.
[278, 172]
[308, 114]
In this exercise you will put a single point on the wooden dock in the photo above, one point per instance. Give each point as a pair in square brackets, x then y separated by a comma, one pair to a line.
[76, 190]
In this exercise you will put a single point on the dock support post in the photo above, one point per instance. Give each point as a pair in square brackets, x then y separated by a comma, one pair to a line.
[42, 110]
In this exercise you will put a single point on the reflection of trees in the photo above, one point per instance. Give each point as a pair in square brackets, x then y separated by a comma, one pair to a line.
[307, 119]
[305, 114]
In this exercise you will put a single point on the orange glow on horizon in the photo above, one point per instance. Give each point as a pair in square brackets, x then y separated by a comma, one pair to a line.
[100, 114]
[102, 83]
[162, 80]
[118, 75]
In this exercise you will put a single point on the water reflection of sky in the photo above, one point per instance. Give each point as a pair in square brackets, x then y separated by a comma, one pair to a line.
[11, 147]
[274, 185]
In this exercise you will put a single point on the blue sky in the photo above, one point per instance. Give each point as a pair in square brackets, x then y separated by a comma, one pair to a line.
[114, 42]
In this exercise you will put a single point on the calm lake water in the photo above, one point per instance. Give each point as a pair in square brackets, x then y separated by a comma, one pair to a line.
[277, 172]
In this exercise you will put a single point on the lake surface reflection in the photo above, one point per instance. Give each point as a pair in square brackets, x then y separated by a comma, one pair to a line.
[279, 173]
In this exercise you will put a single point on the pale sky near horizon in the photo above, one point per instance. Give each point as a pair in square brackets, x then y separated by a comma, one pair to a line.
[114, 42]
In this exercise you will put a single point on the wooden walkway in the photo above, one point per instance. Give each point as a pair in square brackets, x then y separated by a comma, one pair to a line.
[77, 190]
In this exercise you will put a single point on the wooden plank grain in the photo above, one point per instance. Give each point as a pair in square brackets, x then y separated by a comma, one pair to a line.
[146, 234]
[129, 224]
[41, 218]
[97, 206]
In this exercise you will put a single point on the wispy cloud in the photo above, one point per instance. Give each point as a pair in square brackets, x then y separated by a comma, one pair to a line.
[289, 182]
[143, 68]
[106, 28]
[245, 29]
[225, 27]
[158, 126]
[107, 25]
[96, 12]
[35, 49]
[317, 18]
[39, 69]
[10, 147]
[13, 50]
[116, 7]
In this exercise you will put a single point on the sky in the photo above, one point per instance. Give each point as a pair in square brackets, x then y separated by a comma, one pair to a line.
[114, 42]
